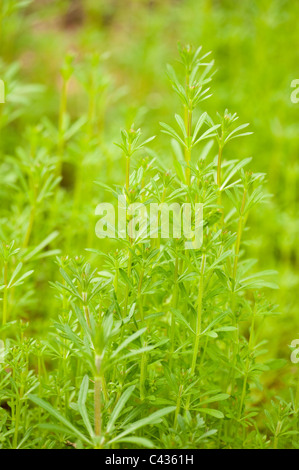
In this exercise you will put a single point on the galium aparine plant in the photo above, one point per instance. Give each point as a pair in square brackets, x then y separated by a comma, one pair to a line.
[151, 344]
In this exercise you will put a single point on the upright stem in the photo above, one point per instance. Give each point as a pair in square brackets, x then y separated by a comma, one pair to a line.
[219, 166]
[127, 287]
[139, 295]
[198, 322]
[17, 416]
[127, 173]
[115, 281]
[178, 406]
[143, 374]
[219, 175]
[159, 218]
[199, 314]
[188, 123]
[143, 363]
[130, 238]
[97, 399]
[247, 362]
[86, 308]
[174, 305]
[30, 226]
[17, 420]
[233, 299]
[239, 234]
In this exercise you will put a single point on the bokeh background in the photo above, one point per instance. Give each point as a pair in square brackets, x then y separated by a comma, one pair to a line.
[255, 47]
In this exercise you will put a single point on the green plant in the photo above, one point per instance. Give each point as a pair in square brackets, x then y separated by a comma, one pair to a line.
[141, 342]
[112, 316]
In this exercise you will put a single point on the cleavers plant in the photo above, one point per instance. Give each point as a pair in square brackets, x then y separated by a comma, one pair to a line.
[152, 344]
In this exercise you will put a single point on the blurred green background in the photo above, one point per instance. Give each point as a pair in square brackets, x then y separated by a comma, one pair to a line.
[255, 47]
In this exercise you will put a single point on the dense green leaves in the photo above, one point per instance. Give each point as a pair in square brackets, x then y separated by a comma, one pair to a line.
[146, 342]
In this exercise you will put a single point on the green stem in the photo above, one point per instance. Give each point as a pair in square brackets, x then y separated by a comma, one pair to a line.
[198, 322]
[159, 218]
[143, 364]
[127, 173]
[30, 226]
[127, 287]
[178, 406]
[97, 399]
[233, 297]
[143, 367]
[86, 308]
[199, 315]
[188, 148]
[219, 168]
[239, 234]
[250, 347]
[17, 421]
[17, 417]
[174, 306]
[139, 295]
